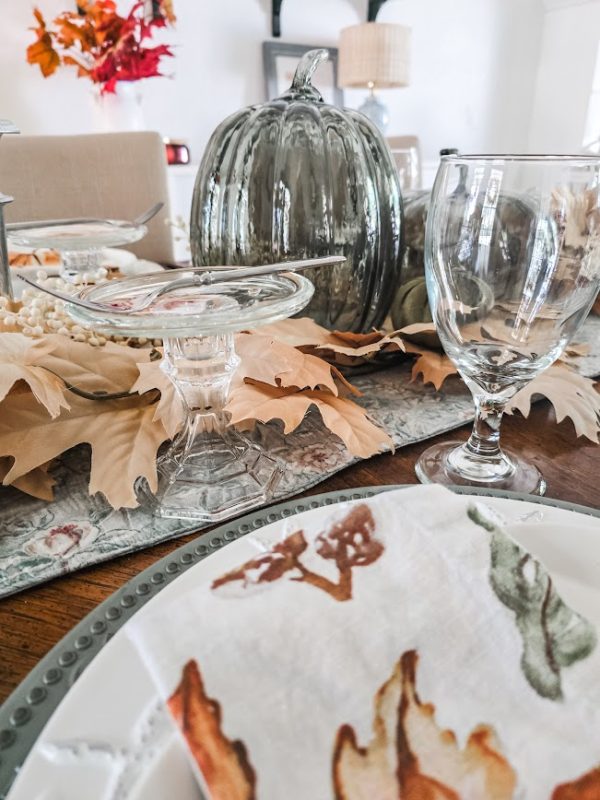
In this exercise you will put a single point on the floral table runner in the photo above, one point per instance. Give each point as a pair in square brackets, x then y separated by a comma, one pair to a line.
[402, 646]
[40, 540]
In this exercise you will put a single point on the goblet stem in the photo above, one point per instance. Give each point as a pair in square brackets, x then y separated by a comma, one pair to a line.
[484, 440]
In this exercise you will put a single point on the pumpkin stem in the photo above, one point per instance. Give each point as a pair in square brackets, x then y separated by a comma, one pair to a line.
[305, 70]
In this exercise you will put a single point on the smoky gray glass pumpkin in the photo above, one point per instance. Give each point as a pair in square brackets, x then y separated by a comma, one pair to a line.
[295, 178]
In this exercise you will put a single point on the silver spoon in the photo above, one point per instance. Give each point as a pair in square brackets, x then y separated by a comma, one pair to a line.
[53, 223]
[201, 277]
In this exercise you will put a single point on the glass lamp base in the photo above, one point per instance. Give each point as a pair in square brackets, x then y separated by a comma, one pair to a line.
[452, 464]
[218, 475]
[376, 111]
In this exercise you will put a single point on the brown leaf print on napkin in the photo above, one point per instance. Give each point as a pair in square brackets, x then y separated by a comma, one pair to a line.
[224, 764]
[409, 757]
[585, 788]
[349, 543]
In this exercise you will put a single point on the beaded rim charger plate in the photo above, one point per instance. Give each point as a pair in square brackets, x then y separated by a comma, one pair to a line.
[568, 542]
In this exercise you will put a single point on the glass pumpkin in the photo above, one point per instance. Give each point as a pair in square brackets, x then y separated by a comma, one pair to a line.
[296, 178]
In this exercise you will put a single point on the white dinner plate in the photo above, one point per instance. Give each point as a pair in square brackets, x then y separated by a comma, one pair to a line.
[109, 739]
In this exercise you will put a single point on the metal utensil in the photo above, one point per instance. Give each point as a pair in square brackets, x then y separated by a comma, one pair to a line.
[201, 277]
[6, 126]
[53, 223]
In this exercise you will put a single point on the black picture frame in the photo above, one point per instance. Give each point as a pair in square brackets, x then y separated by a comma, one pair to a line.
[274, 53]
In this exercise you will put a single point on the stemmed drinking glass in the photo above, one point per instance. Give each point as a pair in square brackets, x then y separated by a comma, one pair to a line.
[512, 256]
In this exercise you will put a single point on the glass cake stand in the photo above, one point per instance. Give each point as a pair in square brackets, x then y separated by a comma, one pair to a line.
[210, 471]
[79, 244]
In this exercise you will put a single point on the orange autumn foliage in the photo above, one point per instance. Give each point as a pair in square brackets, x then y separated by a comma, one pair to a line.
[103, 45]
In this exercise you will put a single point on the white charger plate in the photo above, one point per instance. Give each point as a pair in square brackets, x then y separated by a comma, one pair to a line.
[109, 739]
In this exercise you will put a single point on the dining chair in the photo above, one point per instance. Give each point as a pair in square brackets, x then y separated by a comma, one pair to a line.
[113, 175]
[407, 155]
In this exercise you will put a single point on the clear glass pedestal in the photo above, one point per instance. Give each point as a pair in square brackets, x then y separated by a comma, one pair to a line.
[210, 471]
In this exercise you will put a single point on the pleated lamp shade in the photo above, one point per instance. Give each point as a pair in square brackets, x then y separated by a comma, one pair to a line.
[374, 55]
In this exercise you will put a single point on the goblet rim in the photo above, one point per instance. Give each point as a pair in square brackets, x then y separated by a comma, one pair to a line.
[559, 158]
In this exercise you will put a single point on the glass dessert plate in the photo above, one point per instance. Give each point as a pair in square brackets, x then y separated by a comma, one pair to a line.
[210, 471]
[79, 243]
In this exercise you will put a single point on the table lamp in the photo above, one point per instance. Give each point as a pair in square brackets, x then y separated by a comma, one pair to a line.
[374, 55]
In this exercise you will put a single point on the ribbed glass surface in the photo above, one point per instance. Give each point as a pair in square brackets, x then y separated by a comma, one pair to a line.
[298, 178]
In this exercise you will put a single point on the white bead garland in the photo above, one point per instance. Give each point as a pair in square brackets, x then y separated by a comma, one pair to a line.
[42, 314]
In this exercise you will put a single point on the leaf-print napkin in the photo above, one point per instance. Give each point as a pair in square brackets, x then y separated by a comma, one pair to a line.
[399, 647]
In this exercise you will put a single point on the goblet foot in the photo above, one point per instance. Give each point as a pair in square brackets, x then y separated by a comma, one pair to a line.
[452, 464]
[220, 474]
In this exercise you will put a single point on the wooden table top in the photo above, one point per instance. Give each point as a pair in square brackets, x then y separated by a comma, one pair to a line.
[33, 621]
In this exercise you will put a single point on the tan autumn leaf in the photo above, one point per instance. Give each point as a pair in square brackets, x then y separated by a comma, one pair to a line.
[19, 361]
[305, 333]
[169, 409]
[37, 483]
[576, 350]
[416, 328]
[224, 764]
[111, 368]
[297, 332]
[434, 367]
[344, 418]
[423, 334]
[409, 756]
[122, 433]
[571, 394]
[573, 352]
[265, 359]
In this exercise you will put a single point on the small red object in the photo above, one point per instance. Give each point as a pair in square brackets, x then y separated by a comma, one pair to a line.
[177, 152]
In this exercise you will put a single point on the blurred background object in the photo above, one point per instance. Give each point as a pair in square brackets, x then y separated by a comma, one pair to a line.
[178, 151]
[407, 157]
[375, 56]
[53, 177]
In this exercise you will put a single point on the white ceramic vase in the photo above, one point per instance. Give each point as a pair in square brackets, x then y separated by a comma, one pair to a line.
[121, 111]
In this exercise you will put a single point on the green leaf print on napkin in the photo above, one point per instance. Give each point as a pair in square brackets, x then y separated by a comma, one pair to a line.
[553, 635]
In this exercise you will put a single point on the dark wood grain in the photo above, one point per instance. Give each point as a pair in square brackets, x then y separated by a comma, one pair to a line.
[34, 620]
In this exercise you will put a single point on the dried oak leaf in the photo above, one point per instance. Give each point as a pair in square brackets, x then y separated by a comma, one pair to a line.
[111, 368]
[571, 394]
[342, 346]
[224, 763]
[265, 359]
[37, 483]
[409, 756]
[169, 409]
[259, 401]
[20, 361]
[297, 332]
[122, 433]
[434, 367]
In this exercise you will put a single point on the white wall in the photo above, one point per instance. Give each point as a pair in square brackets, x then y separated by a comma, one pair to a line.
[473, 68]
[571, 35]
